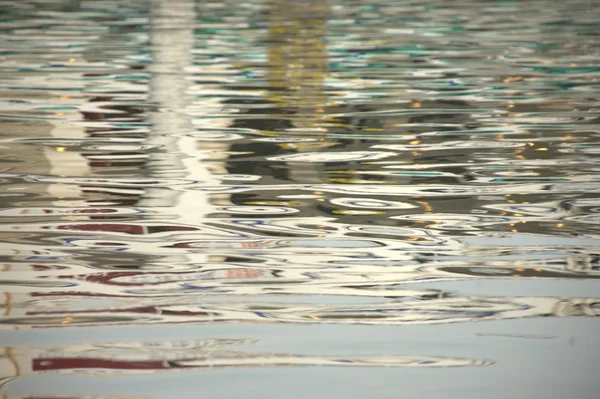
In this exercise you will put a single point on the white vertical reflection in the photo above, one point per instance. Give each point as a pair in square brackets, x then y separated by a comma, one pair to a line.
[172, 42]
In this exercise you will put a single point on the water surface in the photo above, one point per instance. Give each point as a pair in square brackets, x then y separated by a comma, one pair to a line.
[299, 199]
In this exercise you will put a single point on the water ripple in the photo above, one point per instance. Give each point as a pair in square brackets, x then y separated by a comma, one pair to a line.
[356, 164]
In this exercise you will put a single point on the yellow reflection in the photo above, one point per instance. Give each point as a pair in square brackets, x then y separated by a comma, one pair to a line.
[372, 129]
[513, 79]
[8, 354]
[269, 133]
[61, 149]
[7, 303]
[298, 58]
[307, 146]
[426, 205]
[353, 181]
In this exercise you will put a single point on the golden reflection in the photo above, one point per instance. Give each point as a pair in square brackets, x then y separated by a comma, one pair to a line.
[372, 129]
[513, 79]
[298, 59]
[7, 302]
[353, 181]
[426, 205]
[310, 146]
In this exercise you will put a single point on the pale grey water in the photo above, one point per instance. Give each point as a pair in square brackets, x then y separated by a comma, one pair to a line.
[325, 199]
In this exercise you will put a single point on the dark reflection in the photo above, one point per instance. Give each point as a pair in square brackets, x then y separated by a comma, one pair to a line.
[295, 99]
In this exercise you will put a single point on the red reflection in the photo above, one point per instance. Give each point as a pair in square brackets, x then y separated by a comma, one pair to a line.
[124, 228]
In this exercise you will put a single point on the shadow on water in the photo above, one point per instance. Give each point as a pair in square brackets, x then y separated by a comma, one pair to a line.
[212, 185]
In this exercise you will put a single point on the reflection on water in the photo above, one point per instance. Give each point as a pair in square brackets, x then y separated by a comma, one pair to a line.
[306, 163]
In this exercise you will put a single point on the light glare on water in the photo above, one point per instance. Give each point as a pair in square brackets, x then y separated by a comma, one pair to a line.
[299, 199]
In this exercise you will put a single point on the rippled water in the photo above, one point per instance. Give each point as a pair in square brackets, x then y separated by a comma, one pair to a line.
[407, 191]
